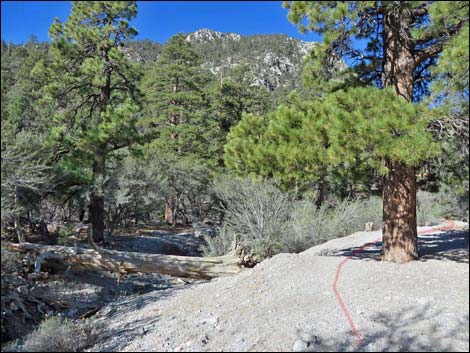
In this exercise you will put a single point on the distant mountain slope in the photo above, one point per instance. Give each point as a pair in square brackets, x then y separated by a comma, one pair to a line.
[275, 59]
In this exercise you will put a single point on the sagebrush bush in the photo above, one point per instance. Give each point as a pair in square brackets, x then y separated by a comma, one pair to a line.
[373, 211]
[447, 203]
[255, 213]
[266, 221]
[308, 226]
[432, 208]
[219, 244]
[56, 334]
[348, 216]
[311, 225]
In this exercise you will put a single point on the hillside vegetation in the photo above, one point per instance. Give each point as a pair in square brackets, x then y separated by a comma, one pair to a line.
[130, 167]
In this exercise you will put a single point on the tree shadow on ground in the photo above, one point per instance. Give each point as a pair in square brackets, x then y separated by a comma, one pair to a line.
[416, 328]
[114, 339]
[450, 246]
[159, 242]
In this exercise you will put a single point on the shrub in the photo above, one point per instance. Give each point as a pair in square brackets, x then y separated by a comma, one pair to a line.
[266, 221]
[220, 244]
[56, 334]
[64, 234]
[373, 211]
[432, 208]
[256, 214]
[310, 225]
[348, 216]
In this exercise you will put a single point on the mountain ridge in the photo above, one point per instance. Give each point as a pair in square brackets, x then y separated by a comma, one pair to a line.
[275, 60]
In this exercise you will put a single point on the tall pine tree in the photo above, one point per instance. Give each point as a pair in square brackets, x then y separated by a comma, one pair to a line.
[403, 40]
[93, 86]
[176, 107]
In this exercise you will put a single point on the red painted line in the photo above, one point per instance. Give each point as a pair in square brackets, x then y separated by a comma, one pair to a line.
[450, 225]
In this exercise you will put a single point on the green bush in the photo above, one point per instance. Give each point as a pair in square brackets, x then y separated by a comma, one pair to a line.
[64, 234]
[56, 334]
[220, 244]
[256, 215]
[311, 225]
[265, 221]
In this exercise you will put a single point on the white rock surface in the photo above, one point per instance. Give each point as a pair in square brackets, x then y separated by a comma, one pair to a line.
[422, 305]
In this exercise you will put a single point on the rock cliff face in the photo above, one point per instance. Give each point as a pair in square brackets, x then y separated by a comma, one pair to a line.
[275, 59]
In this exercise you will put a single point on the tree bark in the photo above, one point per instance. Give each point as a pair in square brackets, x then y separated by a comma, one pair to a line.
[400, 238]
[169, 214]
[132, 262]
[19, 231]
[321, 193]
[96, 207]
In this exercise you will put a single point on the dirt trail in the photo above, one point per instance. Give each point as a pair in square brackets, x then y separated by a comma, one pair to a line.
[287, 303]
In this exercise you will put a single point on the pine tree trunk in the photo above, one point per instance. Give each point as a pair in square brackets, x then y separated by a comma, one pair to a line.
[321, 193]
[400, 239]
[170, 211]
[168, 215]
[96, 207]
[399, 211]
[19, 231]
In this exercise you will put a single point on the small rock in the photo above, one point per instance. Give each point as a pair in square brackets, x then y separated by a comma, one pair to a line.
[22, 289]
[205, 339]
[299, 346]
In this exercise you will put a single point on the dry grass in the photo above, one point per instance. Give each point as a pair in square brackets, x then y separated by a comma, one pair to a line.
[56, 334]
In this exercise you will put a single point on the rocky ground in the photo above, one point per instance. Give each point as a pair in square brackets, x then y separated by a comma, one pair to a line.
[287, 303]
[27, 298]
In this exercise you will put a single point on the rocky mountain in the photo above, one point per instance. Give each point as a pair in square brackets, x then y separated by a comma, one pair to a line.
[275, 59]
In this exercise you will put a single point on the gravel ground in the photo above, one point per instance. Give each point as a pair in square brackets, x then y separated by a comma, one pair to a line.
[84, 291]
[287, 303]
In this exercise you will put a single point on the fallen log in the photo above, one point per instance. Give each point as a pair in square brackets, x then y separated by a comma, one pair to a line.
[124, 262]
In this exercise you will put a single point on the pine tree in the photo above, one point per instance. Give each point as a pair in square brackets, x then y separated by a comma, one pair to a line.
[404, 39]
[331, 140]
[25, 123]
[93, 86]
[236, 95]
[177, 109]
[450, 96]
[175, 94]
[231, 97]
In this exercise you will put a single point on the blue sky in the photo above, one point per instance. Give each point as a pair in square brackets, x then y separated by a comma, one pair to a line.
[158, 20]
